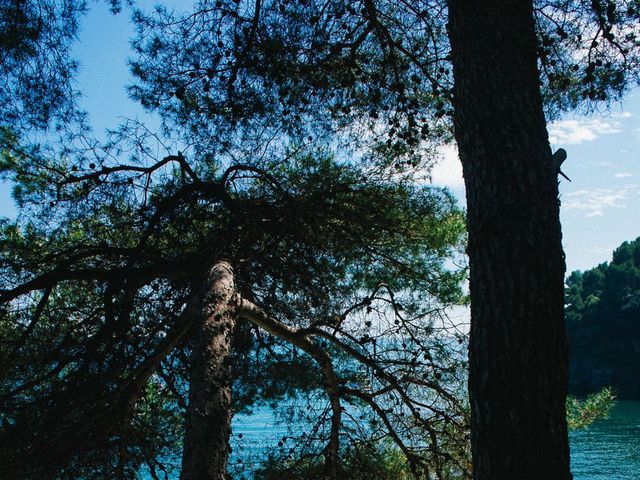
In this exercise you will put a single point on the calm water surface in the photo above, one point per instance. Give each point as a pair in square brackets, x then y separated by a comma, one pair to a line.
[610, 448]
[607, 450]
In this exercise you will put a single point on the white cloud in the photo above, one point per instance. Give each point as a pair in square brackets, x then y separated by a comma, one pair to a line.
[623, 175]
[622, 115]
[448, 170]
[594, 202]
[573, 132]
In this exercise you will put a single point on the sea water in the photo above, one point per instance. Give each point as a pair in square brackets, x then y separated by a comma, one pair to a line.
[607, 450]
[610, 448]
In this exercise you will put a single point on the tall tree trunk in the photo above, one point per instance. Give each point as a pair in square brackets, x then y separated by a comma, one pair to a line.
[208, 424]
[518, 352]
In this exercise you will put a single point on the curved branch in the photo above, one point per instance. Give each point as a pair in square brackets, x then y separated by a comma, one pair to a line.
[260, 318]
[249, 168]
[393, 381]
[177, 269]
[42, 303]
[184, 165]
[130, 390]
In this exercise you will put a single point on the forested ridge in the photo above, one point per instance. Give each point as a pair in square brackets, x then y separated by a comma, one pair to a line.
[603, 324]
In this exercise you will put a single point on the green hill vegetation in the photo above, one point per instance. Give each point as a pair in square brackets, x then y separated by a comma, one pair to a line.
[603, 324]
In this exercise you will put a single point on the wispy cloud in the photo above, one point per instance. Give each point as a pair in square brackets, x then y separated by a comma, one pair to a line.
[623, 175]
[573, 132]
[594, 202]
[448, 170]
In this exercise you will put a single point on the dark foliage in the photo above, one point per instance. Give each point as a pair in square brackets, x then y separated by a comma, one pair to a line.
[36, 69]
[382, 67]
[97, 275]
[603, 322]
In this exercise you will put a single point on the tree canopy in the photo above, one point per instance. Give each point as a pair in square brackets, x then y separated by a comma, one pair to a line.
[382, 66]
[603, 307]
[99, 269]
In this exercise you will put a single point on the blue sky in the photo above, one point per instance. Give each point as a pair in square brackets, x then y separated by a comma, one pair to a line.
[600, 207]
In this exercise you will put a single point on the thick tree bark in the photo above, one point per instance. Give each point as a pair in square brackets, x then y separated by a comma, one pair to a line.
[208, 424]
[518, 352]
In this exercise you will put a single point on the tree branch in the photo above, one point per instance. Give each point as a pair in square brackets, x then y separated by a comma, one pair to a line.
[260, 318]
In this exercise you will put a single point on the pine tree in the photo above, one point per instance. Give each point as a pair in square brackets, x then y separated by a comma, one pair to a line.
[123, 283]
[408, 73]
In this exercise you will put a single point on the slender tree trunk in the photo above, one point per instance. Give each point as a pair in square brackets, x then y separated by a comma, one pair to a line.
[518, 352]
[208, 425]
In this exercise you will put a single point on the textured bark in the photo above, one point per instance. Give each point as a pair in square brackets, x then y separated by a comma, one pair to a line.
[208, 424]
[518, 353]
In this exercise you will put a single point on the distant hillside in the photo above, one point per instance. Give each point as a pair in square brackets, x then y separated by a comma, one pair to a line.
[603, 323]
